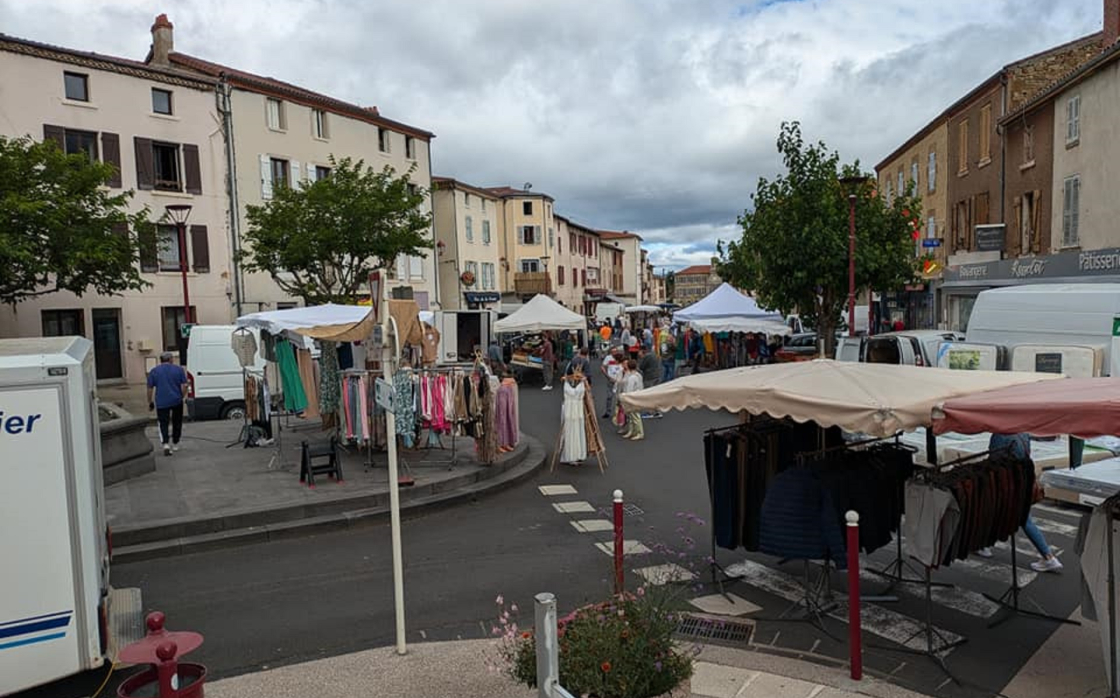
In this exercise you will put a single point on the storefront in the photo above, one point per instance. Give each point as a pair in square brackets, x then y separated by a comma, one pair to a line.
[914, 307]
[963, 282]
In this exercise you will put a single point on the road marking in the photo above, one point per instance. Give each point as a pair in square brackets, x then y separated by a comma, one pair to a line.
[877, 620]
[1050, 508]
[720, 605]
[995, 571]
[592, 525]
[967, 602]
[1058, 529]
[659, 575]
[554, 490]
[573, 507]
[1026, 551]
[629, 547]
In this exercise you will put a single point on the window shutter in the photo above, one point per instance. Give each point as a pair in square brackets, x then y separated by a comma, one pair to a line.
[1017, 225]
[297, 181]
[192, 170]
[145, 168]
[200, 248]
[1067, 195]
[111, 154]
[1036, 226]
[266, 177]
[312, 173]
[56, 134]
[1075, 212]
[149, 249]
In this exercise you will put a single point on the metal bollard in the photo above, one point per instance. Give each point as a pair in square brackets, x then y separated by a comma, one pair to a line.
[618, 576]
[854, 644]
[548, 648]
[166, 676]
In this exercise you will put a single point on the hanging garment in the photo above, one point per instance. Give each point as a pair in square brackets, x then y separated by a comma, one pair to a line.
[244, 346]
[799, 520]
[329, 380]
[507, 417]
[932, 515]
[429, 347]
[310, 386]
[345, 356]
[268, 346]
[573, 424]
[488, 448]
[295, 399]
[721, 463]
[405, 404]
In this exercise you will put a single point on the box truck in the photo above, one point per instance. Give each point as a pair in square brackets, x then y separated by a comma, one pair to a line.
[462, 333]
[55, 601]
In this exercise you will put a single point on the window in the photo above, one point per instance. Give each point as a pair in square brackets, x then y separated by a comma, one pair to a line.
[572, 242]
[1073, 120]
[63, 323]
[319, 124]
[593, 275]
[167, 237]
[527, 208]
[383, 139]
[551, 238]
[485, 231]
[410, 147]
[277, 120]
[583, 277]
[931, 227]
[530, 265]
[472, 269]
[280, 176]
[173, 320]
[483, 205]
[901, 184]
[77, 86]
[161, 101]
[962, 147]
[165, 165]
[466, 200]
[560, 245]
[322, 172]
[931, 176]
[914, 175]
[1071, 215]
[81, 142]
[529, 234]
[986, 133]
[890, 192]
[470, 229]
[416, 267]
[1028, 145]
[560, 275]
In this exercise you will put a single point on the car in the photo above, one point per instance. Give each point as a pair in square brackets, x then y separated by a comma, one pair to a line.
[798, 347]
[911, 347]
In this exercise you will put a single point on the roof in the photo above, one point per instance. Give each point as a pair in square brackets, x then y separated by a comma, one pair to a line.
[617, 235]
[294, 93]
[506, 192]
[452, 183]
[1108, 55]
[704, 269]
[100, 61]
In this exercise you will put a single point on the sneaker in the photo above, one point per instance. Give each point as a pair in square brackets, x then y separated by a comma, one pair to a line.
[547, 387]
[636, 438]
[984, 552]
[167, 449]
[1049, 565]
[175, 448]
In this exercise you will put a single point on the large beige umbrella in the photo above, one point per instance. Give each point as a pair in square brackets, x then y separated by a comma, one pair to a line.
[875, 399]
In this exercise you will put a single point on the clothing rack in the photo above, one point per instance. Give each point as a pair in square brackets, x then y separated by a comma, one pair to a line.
[449, 371]
[934, 651]
[246, 424]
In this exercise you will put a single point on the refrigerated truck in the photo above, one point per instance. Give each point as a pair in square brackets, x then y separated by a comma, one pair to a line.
[54, 547]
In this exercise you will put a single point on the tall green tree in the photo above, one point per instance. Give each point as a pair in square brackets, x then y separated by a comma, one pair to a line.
[793, 252]
[320, 242]
[61, 227]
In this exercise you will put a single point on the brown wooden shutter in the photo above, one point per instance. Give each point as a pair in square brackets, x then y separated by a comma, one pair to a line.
[56, 134]
[191, 166]
[1036, 224]
[1016, 227]
[200, 248]
[111, 155]
[145, 168]
[149, 249]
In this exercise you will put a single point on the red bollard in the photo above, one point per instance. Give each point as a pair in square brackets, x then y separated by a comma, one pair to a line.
[618, 583]
[854, 641]
[166, 676]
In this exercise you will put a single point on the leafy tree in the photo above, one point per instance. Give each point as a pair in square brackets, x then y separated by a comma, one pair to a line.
[61, 228]
[670, 285]
[320, 242]
[794, 249]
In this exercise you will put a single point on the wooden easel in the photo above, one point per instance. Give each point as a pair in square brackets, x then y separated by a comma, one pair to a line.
[591, 424]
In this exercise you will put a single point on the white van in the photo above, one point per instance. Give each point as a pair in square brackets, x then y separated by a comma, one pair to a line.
[216, 381]
[462, 333]
[608, 311]
[1065, 315]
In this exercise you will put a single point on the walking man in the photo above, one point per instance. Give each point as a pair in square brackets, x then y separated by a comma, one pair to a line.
[668, 351]
[167, 387]
[612, 368]
[650, 369]
[548, 358]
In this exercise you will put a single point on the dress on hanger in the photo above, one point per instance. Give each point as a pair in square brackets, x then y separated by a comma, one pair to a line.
[574, 448]
[507, 417]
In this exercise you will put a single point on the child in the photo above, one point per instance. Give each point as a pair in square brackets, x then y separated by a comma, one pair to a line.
[632, 381]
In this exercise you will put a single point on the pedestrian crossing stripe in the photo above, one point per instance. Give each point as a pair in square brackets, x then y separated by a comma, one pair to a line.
[968, 602]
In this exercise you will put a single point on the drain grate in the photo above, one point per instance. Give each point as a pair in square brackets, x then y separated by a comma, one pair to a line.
[717, 631]
[627, 510]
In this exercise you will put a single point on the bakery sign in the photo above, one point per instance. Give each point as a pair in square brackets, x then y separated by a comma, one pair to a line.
[1064, 265]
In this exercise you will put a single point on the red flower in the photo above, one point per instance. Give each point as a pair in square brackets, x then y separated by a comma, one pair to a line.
[905, 213]
[606, 667]
[526, 635]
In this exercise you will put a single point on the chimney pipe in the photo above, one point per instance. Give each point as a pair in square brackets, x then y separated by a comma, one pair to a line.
[163, 43]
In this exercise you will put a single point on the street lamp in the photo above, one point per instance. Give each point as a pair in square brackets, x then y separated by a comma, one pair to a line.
[178, 213]
[851, 185]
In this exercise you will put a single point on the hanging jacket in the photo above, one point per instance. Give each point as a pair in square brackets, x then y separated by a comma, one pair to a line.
[799, 520]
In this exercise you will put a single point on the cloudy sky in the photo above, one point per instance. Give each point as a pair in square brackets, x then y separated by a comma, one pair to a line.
[655, 116]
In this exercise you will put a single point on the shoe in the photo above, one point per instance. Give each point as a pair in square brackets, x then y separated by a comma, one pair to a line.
[604, 416]
[984, 552]
[175, 448]
[1049, 565]
[637, 437]
[547, 387]
[624, 434]
[167, 449]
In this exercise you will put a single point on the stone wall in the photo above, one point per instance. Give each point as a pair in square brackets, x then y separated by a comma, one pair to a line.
[1032, 75]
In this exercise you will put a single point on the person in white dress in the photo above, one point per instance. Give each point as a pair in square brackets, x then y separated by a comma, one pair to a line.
[574, 446]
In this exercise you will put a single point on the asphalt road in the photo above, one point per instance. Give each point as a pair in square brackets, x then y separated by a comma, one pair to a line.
[285, 602]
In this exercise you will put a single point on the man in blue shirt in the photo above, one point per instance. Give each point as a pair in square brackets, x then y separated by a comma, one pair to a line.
[167, 386]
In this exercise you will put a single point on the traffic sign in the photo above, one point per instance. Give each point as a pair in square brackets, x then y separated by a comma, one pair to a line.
[383, 394]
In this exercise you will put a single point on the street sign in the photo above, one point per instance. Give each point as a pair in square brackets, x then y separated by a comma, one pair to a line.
[383, 394]
[931, 242]
[185, 329]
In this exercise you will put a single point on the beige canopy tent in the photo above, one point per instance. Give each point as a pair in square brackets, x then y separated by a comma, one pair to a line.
[875, 399]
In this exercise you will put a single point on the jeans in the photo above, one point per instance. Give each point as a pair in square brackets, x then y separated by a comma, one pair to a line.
[174, 415]
[546, 366]
[1036, 538]
[668, 370]
[609, 409]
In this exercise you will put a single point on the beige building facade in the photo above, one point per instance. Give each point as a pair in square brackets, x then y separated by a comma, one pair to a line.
[922, 160]
[158, 126]
[694, 283]
[630, 245]
[528, 238]
[577, 269]
[468, 246]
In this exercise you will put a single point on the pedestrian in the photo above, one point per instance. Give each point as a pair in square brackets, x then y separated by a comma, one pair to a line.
[668, 352]
[612, 368]
[695, 350]
[167, 387]
[632, 382]
[548, 359]
[618, 324]
[624, 338]
[494, 354]
[650, 368]
[647, 339]
[1018, 446]
[582, 363]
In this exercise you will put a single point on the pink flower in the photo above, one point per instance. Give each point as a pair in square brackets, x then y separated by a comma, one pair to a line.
[500, 600]
[641, 591]
[514, 608]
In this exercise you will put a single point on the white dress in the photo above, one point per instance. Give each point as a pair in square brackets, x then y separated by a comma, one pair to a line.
[574, 448]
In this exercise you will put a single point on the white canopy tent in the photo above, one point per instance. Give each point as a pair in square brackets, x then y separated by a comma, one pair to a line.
[727, 310]
[337, 323]
[644, 309]
[539, 314]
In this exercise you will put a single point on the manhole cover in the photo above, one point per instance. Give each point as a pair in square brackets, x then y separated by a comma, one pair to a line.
[718, 631]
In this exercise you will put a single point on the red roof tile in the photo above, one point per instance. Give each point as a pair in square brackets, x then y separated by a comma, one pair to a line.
[698, 269]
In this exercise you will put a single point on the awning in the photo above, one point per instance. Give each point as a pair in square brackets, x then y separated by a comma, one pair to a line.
[876, 399]
[644, 309]
[541, 313]
[1085, 407]
[330, 322]
[725, 302]
[742, 324]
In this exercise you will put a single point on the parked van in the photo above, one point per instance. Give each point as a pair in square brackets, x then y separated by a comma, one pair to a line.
[912, 348]
[1065, 315]
[462, 333]
[972, 356]
[608, 311]
[217, 384]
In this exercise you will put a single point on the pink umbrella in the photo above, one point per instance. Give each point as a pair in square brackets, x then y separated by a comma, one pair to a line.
[1084, 407]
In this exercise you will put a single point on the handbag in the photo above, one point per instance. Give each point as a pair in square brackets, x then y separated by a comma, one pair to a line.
[619, 416]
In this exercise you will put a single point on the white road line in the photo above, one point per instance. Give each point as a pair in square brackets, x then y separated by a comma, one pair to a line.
[554, 490]
[963, 600]
[1058, 529]
[995, 571]
[1050, 508]
[573, 507]
[659, 575]
[629, 547]
[592, 525]
[1028, 551]
[877, 620]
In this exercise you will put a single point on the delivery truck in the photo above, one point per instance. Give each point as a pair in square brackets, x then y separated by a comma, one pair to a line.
[55, 600]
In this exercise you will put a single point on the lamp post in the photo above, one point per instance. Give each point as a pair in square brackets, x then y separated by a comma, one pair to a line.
[178, 213]
[851, 185]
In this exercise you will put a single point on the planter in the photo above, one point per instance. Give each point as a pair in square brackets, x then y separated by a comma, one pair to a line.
[126, 451]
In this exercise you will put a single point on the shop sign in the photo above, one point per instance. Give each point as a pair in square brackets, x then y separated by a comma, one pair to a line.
[482, 296]
[931, 242]
[1089, 263]
[989, 238]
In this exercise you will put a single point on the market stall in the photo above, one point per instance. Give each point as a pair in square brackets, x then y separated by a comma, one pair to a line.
[727, 328]
[540, 314]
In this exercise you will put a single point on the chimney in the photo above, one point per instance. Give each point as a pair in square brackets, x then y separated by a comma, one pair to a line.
[163, 43]
[1111, 21]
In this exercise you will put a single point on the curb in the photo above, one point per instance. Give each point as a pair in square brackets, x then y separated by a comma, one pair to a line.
[362, 510]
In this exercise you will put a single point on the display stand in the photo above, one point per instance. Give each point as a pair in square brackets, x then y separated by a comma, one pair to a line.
[1009, 600]
[596, 435]
[934, 651]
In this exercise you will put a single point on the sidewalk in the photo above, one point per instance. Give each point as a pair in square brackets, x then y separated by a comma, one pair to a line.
[452, 669]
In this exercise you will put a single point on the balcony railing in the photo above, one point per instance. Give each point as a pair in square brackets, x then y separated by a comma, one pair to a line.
[532, 282]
